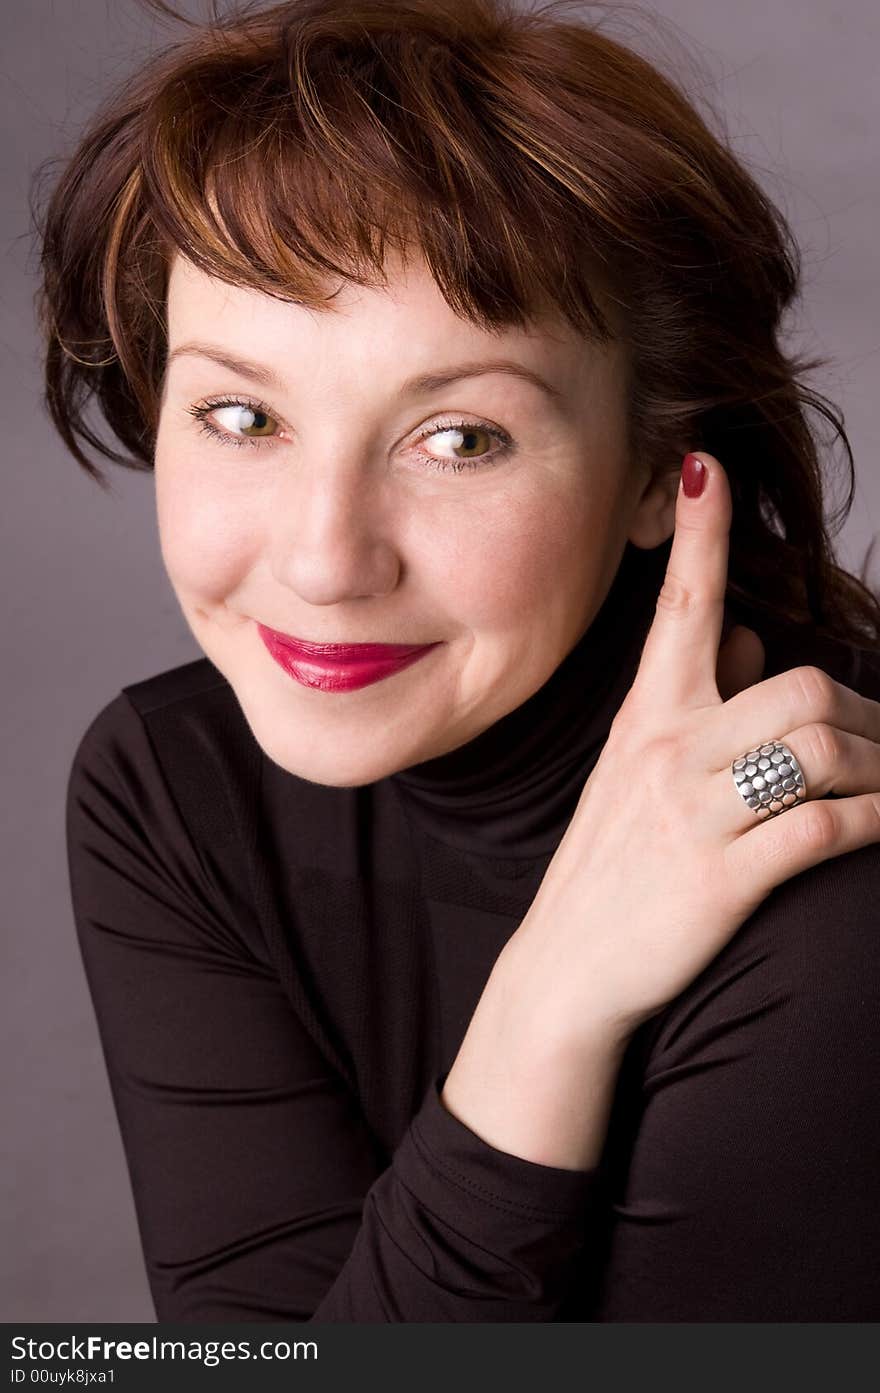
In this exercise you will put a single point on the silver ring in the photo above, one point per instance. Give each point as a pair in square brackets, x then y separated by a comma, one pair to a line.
[769, 779]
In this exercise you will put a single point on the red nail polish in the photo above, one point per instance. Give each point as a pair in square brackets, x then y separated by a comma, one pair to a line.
[693, 476]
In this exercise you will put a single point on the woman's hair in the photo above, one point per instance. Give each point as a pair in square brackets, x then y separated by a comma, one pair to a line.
[528, 157]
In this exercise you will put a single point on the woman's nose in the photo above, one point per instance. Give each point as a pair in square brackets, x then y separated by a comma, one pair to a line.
[334, 536]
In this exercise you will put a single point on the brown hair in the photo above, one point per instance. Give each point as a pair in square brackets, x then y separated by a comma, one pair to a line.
[529, 157]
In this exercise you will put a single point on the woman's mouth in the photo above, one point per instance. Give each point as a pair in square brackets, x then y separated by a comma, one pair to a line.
[339, 667]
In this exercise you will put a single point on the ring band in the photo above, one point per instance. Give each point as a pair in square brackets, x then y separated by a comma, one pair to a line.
[769, 779]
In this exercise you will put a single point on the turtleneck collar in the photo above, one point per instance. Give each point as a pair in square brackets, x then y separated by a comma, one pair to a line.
[511, 790]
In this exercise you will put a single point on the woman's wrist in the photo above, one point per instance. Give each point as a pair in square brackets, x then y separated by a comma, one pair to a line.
[524, 1090]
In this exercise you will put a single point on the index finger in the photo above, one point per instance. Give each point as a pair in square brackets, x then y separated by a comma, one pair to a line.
[680, 654]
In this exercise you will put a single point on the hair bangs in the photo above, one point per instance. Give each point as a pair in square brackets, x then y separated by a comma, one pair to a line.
[289, 173]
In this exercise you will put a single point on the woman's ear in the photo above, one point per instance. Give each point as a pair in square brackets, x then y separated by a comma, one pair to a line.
[653, 518]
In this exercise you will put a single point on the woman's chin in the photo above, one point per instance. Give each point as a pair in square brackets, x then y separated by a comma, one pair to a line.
[324, 762]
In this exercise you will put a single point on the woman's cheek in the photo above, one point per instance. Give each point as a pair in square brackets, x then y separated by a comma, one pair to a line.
[535, 554]
[206, 543]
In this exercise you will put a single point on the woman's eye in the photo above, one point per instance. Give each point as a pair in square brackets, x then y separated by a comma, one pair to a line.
[465, 437]
[253, 416]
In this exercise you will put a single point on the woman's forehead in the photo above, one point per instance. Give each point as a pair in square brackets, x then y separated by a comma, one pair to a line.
[409, 309]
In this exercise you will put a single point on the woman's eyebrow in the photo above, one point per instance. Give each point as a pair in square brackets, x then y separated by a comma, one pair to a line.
[419, 385]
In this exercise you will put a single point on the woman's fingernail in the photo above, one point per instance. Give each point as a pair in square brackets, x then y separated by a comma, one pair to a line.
[693, 476]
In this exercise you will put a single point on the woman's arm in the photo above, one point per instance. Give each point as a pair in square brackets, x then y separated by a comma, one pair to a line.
[747, 1141]
[260, 1192]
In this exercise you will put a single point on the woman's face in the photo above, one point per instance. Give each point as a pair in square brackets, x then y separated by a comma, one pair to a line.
[347, 521]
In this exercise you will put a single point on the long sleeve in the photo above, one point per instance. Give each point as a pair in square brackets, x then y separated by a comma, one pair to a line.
[259, 1191]
[747, 1142]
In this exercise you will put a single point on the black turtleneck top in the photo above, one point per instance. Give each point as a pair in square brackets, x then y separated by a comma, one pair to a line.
[282, 974]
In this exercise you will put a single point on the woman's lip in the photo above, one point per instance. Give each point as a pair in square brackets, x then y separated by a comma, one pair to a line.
[314, 668]
[335, 653]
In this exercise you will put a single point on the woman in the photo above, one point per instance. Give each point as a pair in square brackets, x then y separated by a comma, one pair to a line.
[517, 961]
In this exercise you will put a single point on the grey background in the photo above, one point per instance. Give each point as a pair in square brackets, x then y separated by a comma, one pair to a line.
[89, 608]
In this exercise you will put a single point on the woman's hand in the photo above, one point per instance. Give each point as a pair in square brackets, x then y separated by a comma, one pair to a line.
[663, 860]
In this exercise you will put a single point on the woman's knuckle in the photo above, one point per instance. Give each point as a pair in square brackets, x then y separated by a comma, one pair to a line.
[824, 745]
[651, 760]
[662, 752]
[817, 826]
[675, 597]
[815, 689]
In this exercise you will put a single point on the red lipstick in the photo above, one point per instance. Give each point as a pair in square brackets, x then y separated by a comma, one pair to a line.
[339, 667]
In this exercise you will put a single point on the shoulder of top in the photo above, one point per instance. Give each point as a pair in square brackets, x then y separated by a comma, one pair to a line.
[121, 719]
[176, 684]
